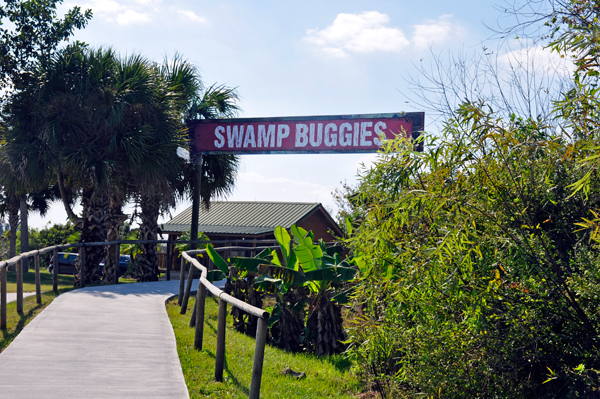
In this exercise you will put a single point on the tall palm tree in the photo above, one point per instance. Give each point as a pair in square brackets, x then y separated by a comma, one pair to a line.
[97, 126]
[179, 82]
[161, 184]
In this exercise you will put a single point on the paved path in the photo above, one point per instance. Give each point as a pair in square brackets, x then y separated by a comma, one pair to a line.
[97, 342]
[12, 296]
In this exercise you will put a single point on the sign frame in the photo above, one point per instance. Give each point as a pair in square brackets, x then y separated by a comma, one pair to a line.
[416, 119]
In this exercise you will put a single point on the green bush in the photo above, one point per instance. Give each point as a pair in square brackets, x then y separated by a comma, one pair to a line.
[479, 282]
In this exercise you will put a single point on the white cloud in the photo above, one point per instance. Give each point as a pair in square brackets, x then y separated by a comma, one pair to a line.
[124, 12]
[190, 15]
[365, 32]
[103, 7]
[435, 31]
[537, 58]
[131, 17]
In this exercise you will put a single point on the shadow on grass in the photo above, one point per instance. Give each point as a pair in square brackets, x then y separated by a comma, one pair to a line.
[233, 379]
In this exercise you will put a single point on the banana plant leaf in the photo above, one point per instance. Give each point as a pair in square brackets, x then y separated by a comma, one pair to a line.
[309, 255]
[284, 240]
[249, 264]
[286, 275]
[217, 259]
[215, 275]
[269, 285]
[264, 254]
[331, 273]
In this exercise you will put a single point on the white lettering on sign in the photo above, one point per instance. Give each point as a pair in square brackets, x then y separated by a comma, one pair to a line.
[316, 141]
[221, 139]
[355, 134]
[301, 135]
[379, 126]
[364, 133]
[345, 138]
[234, 136]
[283, 131]
[342, 135]
[330, 138]
[250, 137]
[266, 137]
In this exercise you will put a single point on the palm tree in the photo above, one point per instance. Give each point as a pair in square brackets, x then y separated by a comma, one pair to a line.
[165, 177]
[155, 178]
[98, 125]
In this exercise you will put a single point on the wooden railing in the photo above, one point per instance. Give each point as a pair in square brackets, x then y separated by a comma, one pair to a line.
[224, 299]
[197, 316]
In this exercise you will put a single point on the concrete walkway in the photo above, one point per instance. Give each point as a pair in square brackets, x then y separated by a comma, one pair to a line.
[97, 342]
[12, 296]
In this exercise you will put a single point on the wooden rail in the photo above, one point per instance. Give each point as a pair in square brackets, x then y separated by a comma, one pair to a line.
[198, 314]
[224, 299]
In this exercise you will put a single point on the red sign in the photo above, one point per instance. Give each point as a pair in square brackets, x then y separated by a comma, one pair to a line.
[307, 134]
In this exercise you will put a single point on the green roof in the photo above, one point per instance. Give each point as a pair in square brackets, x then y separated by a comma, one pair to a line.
[243, 217]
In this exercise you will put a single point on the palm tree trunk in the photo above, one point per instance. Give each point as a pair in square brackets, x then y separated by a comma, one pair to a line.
[147, 262]
[115, 221]
[24, 229]
[12, 205]
[93, 228]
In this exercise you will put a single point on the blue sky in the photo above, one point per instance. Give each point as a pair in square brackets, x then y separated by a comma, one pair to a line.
[290, 59]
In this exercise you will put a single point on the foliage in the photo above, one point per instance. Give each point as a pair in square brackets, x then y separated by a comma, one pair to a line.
[475, 281]
[326, 376]
[306, 280]
[30, 33]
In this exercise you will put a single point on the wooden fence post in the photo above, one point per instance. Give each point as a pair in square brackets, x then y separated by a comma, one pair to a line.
[200, 302]
[3, 299]
[20, 285]
[81, 267]
[168, 260]
[181, 281]
[38, 283]
[55, 270]
[220, 354]
[117, 260]
[188, 289]
[259, 357]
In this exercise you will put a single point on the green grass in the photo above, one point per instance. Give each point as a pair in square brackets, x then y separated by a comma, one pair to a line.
[15, 322]
[64, 281]
[326, 377]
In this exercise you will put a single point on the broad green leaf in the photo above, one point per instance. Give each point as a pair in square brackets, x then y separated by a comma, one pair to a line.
[217, 259]
[309, 255]
[299, 233]
[275, 259]
[249, 264]
[332, 273]
[285, 274]
[264, 254]
[284, 240]
[215, 275]
[267, 284]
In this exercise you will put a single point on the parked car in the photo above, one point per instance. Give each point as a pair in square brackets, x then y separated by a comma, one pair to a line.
[66, 262]
[124, 263]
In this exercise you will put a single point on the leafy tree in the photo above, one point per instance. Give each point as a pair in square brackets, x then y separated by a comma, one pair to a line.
[29, 34]
[476, 281]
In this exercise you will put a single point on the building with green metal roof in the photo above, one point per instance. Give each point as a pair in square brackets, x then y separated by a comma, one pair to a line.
[254, 220]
